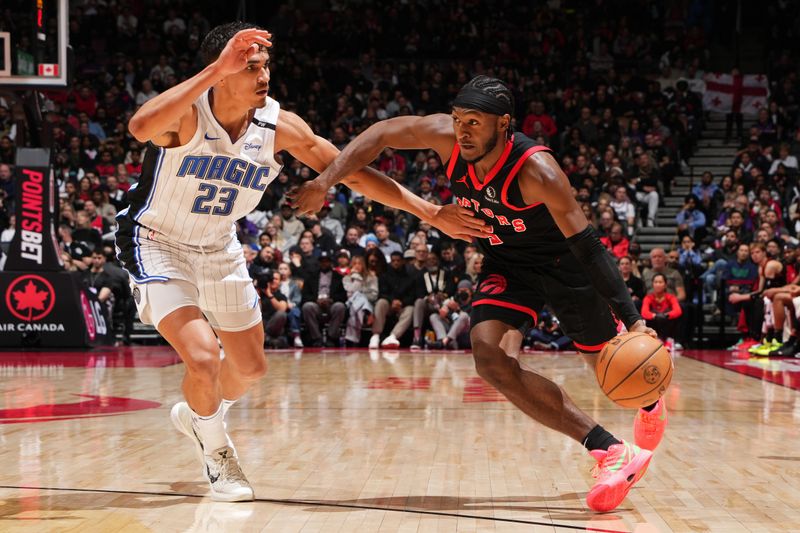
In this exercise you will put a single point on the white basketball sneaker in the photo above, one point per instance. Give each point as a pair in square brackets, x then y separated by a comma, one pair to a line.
[390, 342]
[221, 468]
[226, 478]
[374, 341]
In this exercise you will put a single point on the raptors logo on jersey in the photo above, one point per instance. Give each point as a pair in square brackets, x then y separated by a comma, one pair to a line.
[521, 234]
[493, 284]
[192, 195]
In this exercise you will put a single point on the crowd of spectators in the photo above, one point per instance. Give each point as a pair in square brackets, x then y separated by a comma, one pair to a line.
[606, 87]
[739, 232]
[735, 254]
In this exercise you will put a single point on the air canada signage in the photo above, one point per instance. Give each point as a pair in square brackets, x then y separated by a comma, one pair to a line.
[41, 305]
[50, 309]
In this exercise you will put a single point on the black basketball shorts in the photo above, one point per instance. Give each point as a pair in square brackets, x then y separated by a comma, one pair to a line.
[515, 296]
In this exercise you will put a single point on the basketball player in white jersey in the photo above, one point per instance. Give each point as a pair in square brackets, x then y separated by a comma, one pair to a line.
[211, 151]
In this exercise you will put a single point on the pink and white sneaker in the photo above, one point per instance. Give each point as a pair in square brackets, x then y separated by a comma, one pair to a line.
[616, 472]
[669, 344]
[649, 426]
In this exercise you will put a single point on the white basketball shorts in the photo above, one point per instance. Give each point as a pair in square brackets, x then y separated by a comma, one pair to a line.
[166, 276]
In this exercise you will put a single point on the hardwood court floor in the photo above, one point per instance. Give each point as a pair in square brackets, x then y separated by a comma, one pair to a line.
[353, 442]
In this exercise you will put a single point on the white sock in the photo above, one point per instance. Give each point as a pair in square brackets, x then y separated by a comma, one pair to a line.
[226, 404]
[211, 430]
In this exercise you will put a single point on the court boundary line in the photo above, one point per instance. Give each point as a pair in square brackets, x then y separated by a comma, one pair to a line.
[319, 503]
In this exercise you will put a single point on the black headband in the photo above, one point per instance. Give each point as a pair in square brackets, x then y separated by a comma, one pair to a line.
[472, 98]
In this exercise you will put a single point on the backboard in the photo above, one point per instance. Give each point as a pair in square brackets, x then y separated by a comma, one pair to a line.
[33, 43]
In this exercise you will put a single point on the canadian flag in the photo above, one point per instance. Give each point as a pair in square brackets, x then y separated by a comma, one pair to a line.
[727, 93]
[48, 69]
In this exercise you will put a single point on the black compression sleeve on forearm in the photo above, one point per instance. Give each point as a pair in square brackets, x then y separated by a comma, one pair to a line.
[604, 274]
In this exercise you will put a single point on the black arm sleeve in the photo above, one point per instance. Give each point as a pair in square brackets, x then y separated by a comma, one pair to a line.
[604, 274]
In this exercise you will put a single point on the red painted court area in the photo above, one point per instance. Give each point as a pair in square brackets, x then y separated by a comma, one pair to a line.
[85, 406]
[122, 357]
[476, 390]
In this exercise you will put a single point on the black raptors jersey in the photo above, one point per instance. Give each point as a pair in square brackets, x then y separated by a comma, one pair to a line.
[522, 234]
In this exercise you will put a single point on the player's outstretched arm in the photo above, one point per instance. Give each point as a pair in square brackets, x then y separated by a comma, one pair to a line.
[542, 180]
[432, 131]
[170, 119]
[295, 136]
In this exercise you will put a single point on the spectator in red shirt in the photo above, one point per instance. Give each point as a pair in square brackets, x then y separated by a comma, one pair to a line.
[391, 161]
[343, 262]
[768, 202]
[616, 242]
[442, 189]
[661, 309]
[86, 101]
[123, 178]
[105, 167]
[85, 189]
[537, 114]
[568, 165]
[95, 220]
[134, 168]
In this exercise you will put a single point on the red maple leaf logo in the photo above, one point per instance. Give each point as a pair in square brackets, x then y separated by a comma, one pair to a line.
[31, 293]
[31, 298]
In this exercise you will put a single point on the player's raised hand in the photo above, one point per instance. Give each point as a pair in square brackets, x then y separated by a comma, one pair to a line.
[308, 198]
[460, 223]
[241, 46]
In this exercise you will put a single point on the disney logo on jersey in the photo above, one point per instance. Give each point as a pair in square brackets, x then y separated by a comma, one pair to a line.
[491, 195]
[251, 146]
[229, 169]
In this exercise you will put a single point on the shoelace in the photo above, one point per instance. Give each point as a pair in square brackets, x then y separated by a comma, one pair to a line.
[597, 469]
[649, 421]
[610, 459]
[231, 470]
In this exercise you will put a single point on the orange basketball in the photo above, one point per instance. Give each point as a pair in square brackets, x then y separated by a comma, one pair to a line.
[634, 370]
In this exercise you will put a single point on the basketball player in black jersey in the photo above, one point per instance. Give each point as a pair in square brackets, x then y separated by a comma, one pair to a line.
[541, 250]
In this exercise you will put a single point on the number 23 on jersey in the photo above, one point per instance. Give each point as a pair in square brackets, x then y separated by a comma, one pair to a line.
[222, 199]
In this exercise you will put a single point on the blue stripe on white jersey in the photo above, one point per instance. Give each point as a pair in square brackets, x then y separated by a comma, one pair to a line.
[144, 278]
[149, 200]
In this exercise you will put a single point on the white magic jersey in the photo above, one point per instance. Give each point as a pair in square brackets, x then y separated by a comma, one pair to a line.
[193, 194]
[180, 221]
